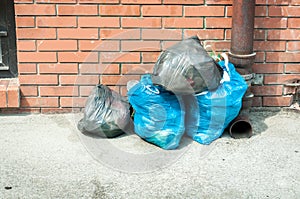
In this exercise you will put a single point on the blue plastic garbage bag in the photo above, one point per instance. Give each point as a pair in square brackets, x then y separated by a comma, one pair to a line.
[209, 113]
[158, 117]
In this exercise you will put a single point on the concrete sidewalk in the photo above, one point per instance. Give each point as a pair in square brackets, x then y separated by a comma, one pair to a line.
[44, 156]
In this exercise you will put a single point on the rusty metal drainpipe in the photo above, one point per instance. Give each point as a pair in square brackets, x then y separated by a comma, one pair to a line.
[242, 56]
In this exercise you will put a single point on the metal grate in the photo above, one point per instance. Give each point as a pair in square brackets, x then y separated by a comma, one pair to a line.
[3, 66]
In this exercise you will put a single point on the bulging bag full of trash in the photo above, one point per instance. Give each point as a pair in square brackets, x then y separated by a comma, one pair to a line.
[186, 68]
[106, 113]
[209, 113]
[158, 116]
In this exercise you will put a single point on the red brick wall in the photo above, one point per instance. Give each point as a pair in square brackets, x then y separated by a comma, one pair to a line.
[65, 47]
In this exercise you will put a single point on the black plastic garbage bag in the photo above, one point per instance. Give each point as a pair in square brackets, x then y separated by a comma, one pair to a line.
[186, 68]
[106, 113]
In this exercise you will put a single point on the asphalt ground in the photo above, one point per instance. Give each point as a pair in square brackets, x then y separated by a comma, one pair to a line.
[45, 156]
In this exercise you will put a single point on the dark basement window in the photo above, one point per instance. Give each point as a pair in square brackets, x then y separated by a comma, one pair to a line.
[8, 56]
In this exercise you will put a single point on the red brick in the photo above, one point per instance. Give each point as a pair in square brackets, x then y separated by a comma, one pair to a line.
[77, 33]
[204, 11]
[55, 1]
[180, 2]
[26, 45]
[37, 57]
[162, 10]
[99, 69]
[272, 2]
[257, 101]
[101, 22]
[295, 2]
[214, 22]
[4, 82]
[292, 68]
[294, 22]
[267, 68]
[259, 34]
[292, 34]
[167, 44]
[77, 10]
[38, 79]
[269, 45]
[228, 34]
[288, 11]
[24, 22]
[206, 34]
[36, 33]
[59, 90]
[260, 11]
[182, 22]
[277, 11]
[99, 1]
[85, 90]
[228, 11]
[3, 97]
[218, 2]
[278, 101]
[219, 45]
[72, 101]
[78, 57]
[99, 45]
[28, 90]
[161, 34]
[27, 68]
[293, 46]
[56, 21]
[110, 80]
[137, 68]
[39, 102]
[119, 34]
[140, 45]
[270, 23]
[79, 79]
[133, 22]
[267, 90]
[283, 56]
[119, 57]
[34, 9]
[150, 57]
[13, 96]
[260, 57]
[119, 10]
[118, 80]
[57, 45]
[280, 78]
[58, 68]
[141, 1]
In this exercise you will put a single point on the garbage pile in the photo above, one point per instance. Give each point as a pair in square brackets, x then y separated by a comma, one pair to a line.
[189, 92]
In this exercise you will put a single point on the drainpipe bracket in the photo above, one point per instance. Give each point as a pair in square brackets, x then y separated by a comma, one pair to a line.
[248, 77]
[258, 79]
